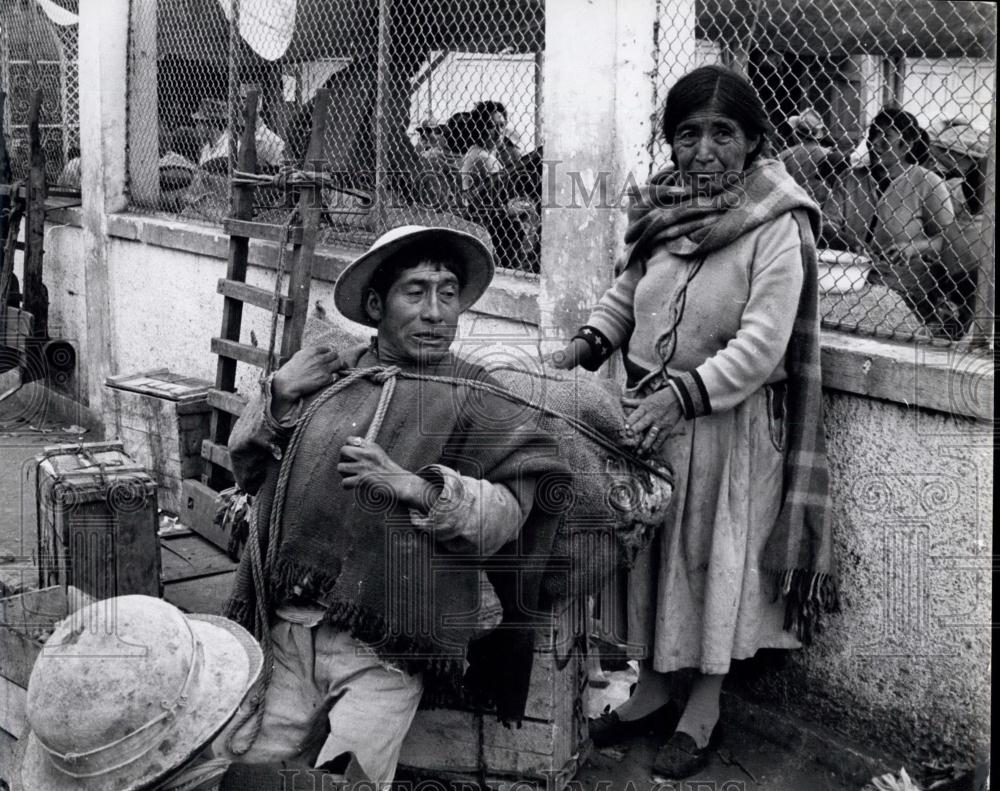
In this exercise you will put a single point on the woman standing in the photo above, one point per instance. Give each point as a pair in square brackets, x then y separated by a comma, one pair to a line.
[717, 303]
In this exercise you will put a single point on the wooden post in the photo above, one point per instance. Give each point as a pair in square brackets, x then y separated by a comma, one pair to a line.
[6, 201]
[983, 333]
[310, 206]
[232, 309]
[382, 115]
[36, 298]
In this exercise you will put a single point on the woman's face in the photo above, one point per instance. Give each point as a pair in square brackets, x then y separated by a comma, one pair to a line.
[887, 146]
[708, 142]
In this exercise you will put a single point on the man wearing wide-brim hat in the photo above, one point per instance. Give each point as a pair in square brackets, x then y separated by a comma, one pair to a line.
[386, 479]
[212, 123]
[810, 148]
[128, 694]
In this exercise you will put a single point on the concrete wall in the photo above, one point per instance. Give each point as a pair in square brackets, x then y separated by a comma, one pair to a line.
[906, 665]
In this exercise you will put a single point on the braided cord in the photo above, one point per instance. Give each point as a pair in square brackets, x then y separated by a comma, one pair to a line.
[261, 568]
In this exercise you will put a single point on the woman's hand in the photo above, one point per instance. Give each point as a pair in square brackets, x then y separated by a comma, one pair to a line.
[652, 418]
[569, 357]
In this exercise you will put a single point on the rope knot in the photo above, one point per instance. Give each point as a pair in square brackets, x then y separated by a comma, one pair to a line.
[384, 375]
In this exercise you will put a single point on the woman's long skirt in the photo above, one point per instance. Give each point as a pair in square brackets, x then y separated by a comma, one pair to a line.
[698, 597]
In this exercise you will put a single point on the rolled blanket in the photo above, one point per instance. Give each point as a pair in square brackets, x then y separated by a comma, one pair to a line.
[618, 500]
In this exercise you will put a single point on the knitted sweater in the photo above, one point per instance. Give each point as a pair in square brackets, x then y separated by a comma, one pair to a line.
[734, 314]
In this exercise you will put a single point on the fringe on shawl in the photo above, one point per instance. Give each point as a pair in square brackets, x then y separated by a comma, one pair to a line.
[808, 595]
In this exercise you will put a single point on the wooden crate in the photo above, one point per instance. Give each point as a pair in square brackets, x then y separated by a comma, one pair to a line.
[162, 418]
[549, 747]
[26, 621]
[97, 521]
[197, 576]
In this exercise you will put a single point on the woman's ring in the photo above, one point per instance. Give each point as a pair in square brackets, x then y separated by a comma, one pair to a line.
[654, 429]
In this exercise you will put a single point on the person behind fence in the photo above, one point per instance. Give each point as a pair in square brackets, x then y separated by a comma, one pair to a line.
[128, 693]
[912, 210]
[382, 490]
[486, 182]
[441, 163]
[718, 306]
[212, 125]
[803, 157]
[960, 151]
[850, 203]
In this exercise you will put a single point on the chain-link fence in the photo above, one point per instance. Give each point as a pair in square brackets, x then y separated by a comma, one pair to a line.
[434, 111]
[38, 51]
[882, 111]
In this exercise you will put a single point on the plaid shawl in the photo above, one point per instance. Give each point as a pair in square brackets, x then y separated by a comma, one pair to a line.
[692, 223]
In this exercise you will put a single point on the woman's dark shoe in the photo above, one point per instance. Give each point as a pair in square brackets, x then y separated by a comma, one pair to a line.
[681, 756]
[610, 729]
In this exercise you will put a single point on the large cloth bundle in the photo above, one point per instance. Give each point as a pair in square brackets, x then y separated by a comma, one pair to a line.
[617, 500]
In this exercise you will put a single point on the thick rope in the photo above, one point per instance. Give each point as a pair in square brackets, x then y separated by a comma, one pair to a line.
[276, 294]
[261, 568]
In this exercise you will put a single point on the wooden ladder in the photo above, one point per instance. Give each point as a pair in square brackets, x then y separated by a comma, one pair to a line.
[202, 497]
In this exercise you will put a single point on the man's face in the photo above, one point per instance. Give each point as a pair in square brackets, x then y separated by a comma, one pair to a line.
[418, 319]
[498, 127]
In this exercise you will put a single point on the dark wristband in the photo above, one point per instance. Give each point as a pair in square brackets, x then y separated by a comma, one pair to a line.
[598, 345]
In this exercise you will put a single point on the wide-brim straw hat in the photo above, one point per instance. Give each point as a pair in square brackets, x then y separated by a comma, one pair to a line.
[84, 661]
[472, 253]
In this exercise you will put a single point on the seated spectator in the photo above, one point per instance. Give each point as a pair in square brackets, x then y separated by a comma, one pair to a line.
[70, 176]
[177, 167]
[430, 136]
[960, 151]
[212, 119]
[487, 124]
[442, 161]
[485, 183]
[802, 159]
[847, 209]
[912, 210]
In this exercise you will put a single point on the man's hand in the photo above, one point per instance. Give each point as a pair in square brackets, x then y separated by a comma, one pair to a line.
[310, 369]
[365, 463]
[652, 418]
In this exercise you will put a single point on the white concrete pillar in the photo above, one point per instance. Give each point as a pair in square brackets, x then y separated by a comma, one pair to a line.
[143, 104]
[596, 112]
[103, 79]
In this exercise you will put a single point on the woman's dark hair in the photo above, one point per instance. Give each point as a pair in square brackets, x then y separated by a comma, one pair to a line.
[411, 256]
[456, 133]
[917, 140]
[481, 126]
[490, 107]
[726, 92]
